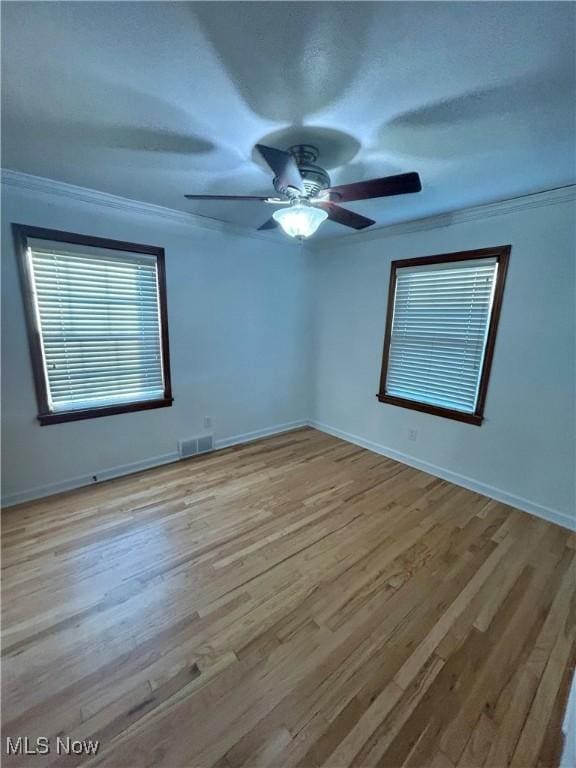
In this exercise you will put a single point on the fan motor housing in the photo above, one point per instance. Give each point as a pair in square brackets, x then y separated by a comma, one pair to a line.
[314, 177]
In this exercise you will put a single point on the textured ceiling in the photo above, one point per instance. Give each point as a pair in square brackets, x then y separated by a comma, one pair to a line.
[152, 100]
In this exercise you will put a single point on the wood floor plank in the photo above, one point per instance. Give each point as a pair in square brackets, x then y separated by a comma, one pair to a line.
[297, 602]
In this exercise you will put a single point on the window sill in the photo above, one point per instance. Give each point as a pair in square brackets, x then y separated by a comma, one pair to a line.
[109, 410]
[435, 410]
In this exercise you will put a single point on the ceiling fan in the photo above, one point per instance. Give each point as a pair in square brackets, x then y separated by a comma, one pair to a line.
[304, 188]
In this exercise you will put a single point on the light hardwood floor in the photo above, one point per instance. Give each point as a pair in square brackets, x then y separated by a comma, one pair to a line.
[294, 602]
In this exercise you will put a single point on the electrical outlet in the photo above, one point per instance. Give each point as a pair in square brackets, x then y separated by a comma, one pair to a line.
[207, 422]
[413, 434]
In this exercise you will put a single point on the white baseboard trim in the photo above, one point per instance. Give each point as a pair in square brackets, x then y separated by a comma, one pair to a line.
[50, 489]
[78, 482]
[551, 515]
[248, 437]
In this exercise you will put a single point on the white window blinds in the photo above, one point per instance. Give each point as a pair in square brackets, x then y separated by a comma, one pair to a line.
[98, 313]
[439, 331]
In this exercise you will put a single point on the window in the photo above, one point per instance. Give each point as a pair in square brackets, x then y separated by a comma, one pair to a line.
[97, 322]
[440, 332]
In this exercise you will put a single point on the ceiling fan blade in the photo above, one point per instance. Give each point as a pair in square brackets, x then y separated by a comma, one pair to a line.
[401, 184]
[344, 216]
[284, 167]
[270, 224]
[228, 197]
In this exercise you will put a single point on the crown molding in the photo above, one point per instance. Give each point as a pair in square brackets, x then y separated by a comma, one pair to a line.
[32, 183]
[55, 188]
[549, 197]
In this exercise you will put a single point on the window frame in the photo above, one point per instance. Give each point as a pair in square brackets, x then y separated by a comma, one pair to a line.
[502, 254]
[22, 233]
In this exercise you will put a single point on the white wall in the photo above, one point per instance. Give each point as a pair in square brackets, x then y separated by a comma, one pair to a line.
[238, 343]
[524, 451]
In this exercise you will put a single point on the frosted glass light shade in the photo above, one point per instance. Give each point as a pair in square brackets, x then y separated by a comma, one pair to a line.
[300, 220]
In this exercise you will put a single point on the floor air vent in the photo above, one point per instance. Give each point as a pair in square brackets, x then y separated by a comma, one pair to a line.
[205, 444]
[195, 445]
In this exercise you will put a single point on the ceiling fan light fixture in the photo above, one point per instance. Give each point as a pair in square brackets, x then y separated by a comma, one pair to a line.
[300, 220]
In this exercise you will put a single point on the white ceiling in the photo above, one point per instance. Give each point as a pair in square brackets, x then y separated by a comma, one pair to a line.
[152, 100]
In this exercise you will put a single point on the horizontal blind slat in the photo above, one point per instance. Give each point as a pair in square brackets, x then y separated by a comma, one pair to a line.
[431, 384]
[442, 372]
[116, 372]
[108, 385]
[105, 400]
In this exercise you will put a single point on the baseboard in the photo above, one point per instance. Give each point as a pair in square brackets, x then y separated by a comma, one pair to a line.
[50, 489]
[248, 437]
[70, 484]
[551, 515]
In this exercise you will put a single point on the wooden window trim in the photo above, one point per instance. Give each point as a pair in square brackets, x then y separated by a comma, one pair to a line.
[22, 233]
[502, 254]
